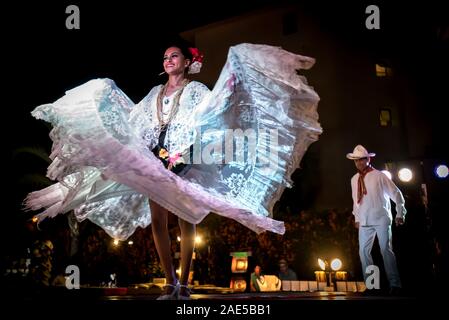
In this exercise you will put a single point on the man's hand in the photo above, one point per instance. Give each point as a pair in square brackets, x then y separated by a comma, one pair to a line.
[399, 221]
[357, 224]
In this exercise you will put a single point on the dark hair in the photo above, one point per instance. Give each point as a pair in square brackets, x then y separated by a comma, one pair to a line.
[182, 44]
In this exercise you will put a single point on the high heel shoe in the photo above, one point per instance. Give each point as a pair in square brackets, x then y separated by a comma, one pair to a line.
[173, 295]
[187, 292]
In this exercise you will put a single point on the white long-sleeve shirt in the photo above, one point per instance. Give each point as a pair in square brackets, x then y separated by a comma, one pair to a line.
[375, 207]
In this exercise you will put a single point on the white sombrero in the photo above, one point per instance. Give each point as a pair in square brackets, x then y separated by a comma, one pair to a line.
[359, 153]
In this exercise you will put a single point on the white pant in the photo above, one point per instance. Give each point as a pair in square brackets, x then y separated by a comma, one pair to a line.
[366, 240]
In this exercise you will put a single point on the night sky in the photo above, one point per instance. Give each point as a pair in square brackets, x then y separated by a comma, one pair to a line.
[124, 41]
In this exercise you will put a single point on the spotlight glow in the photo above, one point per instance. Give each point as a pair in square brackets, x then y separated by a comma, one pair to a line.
[441, 171]
[198, 240]
[336, 264]
[322, 264]
[405, 175]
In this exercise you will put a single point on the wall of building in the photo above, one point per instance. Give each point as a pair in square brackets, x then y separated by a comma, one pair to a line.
[351, 98]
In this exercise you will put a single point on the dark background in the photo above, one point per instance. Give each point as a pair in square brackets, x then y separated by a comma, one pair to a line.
[124, 41]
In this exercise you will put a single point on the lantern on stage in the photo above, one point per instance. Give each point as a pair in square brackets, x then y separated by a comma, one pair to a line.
[239, 266]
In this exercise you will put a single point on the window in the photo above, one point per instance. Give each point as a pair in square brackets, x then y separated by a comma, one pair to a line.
[382, 71]
[385, 117]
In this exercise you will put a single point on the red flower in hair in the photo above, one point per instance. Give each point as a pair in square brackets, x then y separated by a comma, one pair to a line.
[197, 60]
[197, 55]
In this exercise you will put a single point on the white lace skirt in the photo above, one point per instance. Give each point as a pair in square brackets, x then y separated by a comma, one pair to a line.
[256, 125]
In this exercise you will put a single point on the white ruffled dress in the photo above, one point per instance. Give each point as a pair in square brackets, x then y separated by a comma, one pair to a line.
[248, 135]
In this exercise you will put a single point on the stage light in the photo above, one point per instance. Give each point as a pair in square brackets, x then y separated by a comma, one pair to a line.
[441, 171]
[405, 175]
[239, 263]
[115, 242]
[131, 242]
[387, 173]
[238, 284]
[178, 238]
[322, 264]
[198, 240]
[336, 264]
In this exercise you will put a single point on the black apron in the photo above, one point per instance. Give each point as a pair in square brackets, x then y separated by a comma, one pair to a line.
[180, 168]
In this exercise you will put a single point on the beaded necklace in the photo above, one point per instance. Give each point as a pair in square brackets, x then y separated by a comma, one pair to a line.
[174, 108]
